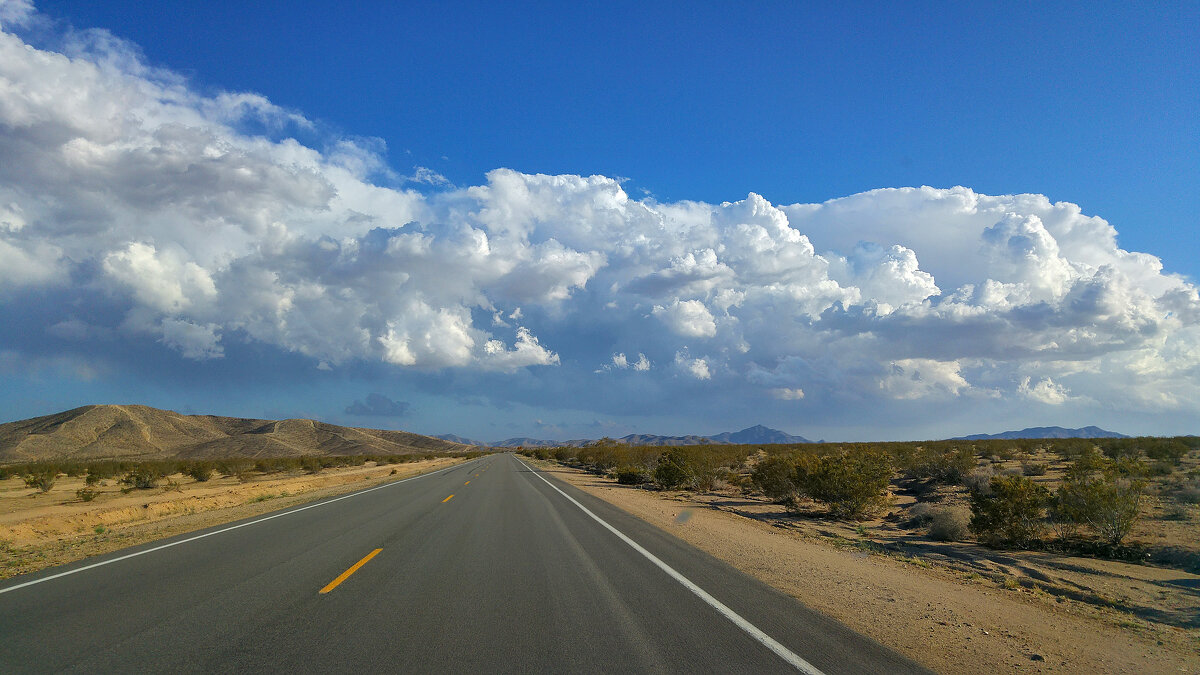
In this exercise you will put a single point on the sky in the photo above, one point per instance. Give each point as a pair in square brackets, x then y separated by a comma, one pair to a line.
[566, 220]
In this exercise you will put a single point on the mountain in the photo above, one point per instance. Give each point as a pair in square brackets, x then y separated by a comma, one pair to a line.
[459, 439]
[756, 435]
[759, 435]
[140, 432]
[1045, 432]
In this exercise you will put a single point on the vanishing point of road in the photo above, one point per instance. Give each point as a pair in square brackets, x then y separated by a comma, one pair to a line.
[488, 566]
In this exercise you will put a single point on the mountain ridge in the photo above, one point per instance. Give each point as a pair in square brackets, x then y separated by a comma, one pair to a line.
[751, 435]
[1045, 432]
[99, 432]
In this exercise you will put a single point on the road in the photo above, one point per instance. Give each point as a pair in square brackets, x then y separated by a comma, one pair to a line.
[489, 566]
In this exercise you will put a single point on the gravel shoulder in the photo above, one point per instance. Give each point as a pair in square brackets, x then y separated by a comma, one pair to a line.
[929, 608]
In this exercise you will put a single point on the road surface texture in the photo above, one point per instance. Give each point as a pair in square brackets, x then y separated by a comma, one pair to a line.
[488, 566]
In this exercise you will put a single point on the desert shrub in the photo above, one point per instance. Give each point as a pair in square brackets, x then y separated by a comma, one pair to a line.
[632, 475]
[1169, 450]
[1109, 503]
[1086, 462]
[1188, 495]
[1033, 468]
[199, 471]
[773, 476]
[943, 465]
[232, 467]
[704, 468]
[42, 479]
[949, 524]
[1010, 514]
[141, 478]
[671, 471]
[980, 480]
[920, 514]
[563, 454]
[85, 494]
[852, 484]
[1176, 512]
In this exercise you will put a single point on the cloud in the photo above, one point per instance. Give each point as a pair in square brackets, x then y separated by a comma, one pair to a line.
[1045, 391]
[196, 221]
[378, 405]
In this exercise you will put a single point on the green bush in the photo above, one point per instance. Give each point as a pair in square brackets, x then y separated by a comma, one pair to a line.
[940, 464]
[1011, 514]
[852, 484]
[199, 471]
[1034, 468]
[42, 480]
[773, 476]
[142, 478]
[1109, 503]
[671, 471]
[85, 494]
[632, 475]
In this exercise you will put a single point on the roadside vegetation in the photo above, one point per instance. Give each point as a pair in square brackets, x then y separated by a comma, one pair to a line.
[1072, 496]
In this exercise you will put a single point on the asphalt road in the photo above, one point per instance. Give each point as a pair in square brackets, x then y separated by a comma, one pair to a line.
[510, 574]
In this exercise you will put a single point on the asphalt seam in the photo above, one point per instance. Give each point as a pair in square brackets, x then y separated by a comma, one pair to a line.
[753, 631]
[227, 529]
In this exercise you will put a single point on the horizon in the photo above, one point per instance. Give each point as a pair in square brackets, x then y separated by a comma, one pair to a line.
[566, 222]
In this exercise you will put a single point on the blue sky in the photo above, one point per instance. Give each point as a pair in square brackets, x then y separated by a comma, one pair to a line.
[406, 112]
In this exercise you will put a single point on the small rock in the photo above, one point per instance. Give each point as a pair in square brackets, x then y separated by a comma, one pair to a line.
[1036, 657]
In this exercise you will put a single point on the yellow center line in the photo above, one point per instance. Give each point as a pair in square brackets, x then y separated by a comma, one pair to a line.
[447, 499]
[467, 483]
[346, 575]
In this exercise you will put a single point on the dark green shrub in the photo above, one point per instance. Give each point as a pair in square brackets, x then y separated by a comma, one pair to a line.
[773, 476]
[1109, 504]
[85, 494]
[943, 465]
[632, 475]
[852, 484]
[671, 471]
[141, 478]
[199, 471]
[310, 464]
[1011, 515]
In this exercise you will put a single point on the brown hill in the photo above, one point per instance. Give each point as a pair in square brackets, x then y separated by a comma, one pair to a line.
[141, 432]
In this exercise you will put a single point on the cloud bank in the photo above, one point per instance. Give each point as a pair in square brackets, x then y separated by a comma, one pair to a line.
[201, 221]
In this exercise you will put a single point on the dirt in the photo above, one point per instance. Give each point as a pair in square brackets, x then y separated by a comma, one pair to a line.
[40, 530]
[956, 608]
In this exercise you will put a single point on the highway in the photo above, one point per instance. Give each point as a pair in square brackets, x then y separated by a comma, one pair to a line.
[489, 566]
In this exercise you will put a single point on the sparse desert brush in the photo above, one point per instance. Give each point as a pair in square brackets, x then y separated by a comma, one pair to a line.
[1011, 513]
[85, 494]
[947, 465]
[1109, 503]
[949, 523]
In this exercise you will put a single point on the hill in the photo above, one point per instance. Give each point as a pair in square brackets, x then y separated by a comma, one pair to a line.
[96, 432]
[1045, 432]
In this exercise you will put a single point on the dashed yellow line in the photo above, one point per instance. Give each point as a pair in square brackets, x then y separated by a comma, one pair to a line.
[346, 575]
[447, 499]
[467, 483]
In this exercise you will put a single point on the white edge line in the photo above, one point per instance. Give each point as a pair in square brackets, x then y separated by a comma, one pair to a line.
[766, 640]
[227, 529]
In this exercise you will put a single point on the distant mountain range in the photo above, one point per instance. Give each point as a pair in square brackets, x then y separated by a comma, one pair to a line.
[757, 434]
[96, 432]
[1045, 432]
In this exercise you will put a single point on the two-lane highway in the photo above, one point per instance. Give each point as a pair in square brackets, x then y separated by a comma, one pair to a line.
[487, 566]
